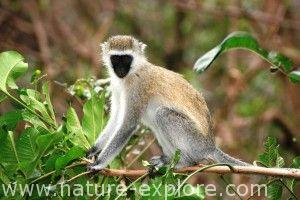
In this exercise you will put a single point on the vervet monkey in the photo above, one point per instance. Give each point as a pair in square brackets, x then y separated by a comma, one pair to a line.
[159, 98]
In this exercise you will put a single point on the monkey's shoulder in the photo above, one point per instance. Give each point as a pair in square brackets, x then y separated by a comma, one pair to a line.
[157, 77]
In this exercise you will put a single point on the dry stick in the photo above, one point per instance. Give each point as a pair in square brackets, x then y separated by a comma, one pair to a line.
[253, 170]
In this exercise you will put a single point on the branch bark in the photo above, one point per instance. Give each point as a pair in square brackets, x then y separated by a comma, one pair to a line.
[251, 170]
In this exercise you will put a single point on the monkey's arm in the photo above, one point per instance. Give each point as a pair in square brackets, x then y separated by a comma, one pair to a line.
[108, 130]
[119, 138]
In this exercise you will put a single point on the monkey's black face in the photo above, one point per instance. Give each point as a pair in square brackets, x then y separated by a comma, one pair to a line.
[121, 64]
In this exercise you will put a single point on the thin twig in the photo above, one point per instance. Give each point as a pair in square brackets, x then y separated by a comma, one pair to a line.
[52, 172]
[77, 176]
[290, 191]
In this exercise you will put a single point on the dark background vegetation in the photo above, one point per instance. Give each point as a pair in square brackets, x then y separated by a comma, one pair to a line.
[247, 102]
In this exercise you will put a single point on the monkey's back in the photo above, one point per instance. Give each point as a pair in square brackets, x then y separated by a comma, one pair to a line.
[172, 90]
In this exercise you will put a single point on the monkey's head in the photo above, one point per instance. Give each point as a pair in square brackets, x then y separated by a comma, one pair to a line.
[123, 54]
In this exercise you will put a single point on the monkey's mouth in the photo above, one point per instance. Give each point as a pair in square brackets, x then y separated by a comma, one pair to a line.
[121, 64]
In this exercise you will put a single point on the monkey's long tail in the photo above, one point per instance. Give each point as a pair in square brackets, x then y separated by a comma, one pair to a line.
[221, 157]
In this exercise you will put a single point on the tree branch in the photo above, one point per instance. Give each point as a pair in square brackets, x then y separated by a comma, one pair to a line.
[251, 170]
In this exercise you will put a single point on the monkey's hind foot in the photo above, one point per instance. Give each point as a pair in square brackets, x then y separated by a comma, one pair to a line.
[95, 166]
[156, 163]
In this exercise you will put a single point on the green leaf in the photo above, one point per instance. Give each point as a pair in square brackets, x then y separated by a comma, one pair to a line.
[270, 157]
[21, 154]
[46, 141]
[27, 150]
[175, 158]
[296, 162]
[26, 146]
[294, 76]
[50, 163]
[242, 40]
[2, 97]
[74, 153]
[33, 99]
[33, 119]
[275, 191]
[10, 119]
[291, 183]
[93, 117]
[17, 71]
[279, 161]
[3, 176]
[156, 190]
[12, 66]
[167, 170]
[28, 167]
[48, 105]
[8, 155]
[73, 125]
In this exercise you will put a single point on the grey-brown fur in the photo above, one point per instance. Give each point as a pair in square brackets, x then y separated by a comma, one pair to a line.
[121, 42]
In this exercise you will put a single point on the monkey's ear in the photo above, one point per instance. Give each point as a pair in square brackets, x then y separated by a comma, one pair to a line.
[103, 46]
[142, 47]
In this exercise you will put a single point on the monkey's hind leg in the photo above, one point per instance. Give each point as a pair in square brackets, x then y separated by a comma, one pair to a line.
[179, 131]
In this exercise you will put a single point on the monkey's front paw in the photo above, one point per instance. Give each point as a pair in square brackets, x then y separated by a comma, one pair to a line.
[96, 166]
[92, 152]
